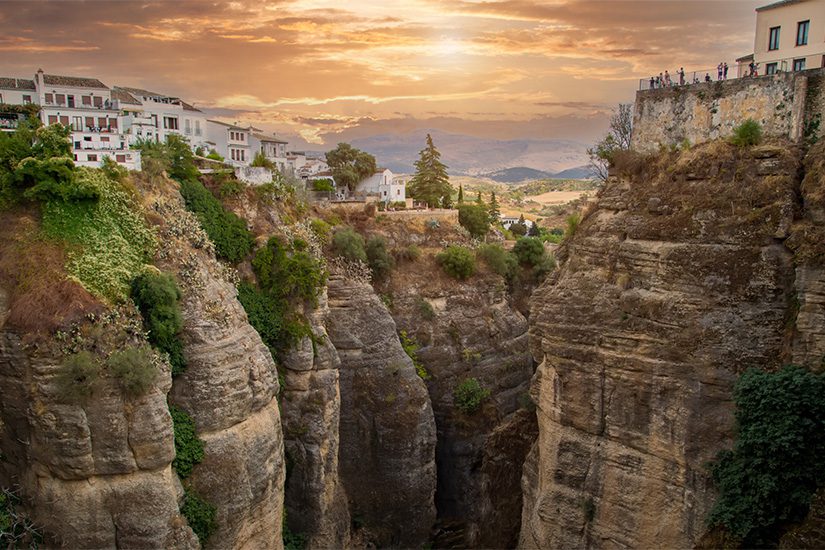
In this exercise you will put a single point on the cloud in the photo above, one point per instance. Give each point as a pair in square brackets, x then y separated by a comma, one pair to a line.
[328, 70]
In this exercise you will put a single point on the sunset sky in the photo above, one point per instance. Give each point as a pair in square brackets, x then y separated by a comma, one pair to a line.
[330, 71]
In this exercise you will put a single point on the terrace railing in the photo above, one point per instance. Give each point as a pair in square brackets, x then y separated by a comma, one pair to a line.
[735, 71]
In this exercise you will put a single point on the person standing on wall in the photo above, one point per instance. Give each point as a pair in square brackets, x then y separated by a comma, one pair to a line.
[725, 71]
[682, 76]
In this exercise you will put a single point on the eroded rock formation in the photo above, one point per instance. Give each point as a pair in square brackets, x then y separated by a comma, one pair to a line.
[676, 281]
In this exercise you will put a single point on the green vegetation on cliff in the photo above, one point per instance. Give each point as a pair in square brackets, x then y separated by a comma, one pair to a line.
[188, 446]
[469, 395]
[200, 514]
[457, 261]
[286, 276]
[157, 295]
[778, 458]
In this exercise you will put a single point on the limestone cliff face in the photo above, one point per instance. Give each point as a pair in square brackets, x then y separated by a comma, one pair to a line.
[229, 388]
[92, 475]
[471, 330]
[387, 431]
[311, 403]
[677, 280]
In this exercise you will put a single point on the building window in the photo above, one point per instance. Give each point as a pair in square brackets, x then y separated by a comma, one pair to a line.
[27, 99]
[773, 39]
[170, 123]
[98, 101]
[770, 68]
[197, 127]
[92, 158]
[799, 64]
[104, 138]
[802, 33]
[52, 119]
[120, 158]
[90, 122]
[61, 99]
[49, 99]
[86, 100]
[187, 126]
[77, 124]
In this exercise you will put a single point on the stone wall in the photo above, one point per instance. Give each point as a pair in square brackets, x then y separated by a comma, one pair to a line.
[253, 175]
[785, 104]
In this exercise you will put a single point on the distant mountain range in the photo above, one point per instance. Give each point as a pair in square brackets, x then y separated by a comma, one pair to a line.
[512, 160]
[519, 174]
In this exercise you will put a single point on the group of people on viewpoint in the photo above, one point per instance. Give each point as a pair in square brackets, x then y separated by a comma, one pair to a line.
[664, 80]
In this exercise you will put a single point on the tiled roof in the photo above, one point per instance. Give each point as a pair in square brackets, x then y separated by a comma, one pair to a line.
[9, 83]
[123, 96]
[777, 4]
[74, 81]
[187, 107]
[270, 139]
[233, 126]
[146, 93]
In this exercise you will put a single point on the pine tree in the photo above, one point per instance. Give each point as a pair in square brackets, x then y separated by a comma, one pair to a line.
[430, 182]
[493, 209]
[460, 194]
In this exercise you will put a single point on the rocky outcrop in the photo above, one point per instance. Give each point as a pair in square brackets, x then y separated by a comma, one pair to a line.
[471, 330]
[229, 388]
[676, 281]
[311, 403]
[94, 474]
[387, 432]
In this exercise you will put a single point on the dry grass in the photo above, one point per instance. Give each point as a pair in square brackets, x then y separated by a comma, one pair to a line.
[42, 298]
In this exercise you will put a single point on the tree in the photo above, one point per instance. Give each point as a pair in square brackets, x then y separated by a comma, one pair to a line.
[534, 230]
[616, 139]
[474, 218]
[492, 209]
[519, 228]
[430, 182]
[479, 200]
[460, 194]
[350, 165]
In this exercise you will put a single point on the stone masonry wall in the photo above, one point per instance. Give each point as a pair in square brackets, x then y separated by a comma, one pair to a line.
[786, 105]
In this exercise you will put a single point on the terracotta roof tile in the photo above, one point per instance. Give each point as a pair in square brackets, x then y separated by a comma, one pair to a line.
[74, 81]
[9, 83]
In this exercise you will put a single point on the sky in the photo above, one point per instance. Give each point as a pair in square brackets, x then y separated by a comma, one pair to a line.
[331, 71]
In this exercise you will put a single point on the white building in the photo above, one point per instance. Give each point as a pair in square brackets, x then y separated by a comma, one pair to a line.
[789, 37]
[383, 185]
[17, 91]
[272, 148]
[508, 221]
[232, 141]
[154, 116]
[85, 105]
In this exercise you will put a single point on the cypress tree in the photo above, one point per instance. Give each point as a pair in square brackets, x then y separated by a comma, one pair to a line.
[430, 182]
[479, 200]
[460, 194]
[493, 209]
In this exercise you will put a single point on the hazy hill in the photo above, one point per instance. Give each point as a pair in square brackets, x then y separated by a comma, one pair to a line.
[472, 155]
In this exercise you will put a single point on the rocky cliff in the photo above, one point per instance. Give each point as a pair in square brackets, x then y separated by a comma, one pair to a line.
[678, 279]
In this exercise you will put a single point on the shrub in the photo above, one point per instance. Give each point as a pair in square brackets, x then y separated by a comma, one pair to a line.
[188, 446]
[529, 250]
[474, 218]
[260, 161]
[469, 395]
[156, 296]
[778, 458]
[349, 244]
[232, 239]
[544, 268]
[498, 259]
[572, 221]
[214, 155]
[173, 155]
[747, 134]
[426, 309]
[324, 184]
[518, 229]
[411, 349]
[111, 240]
[292, 541]
[78, 377]
[457, 262]
[231, 188]
[134, 370]
[321, 229]
[408, 254]
[284, 275]
[200, 514]
[16, 529]
[113, 170]
[378, 258]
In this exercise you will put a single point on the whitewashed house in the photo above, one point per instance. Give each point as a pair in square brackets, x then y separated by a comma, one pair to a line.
[272, 148]
[85, 105]
[383, 185]
[232, 141]
[14, 91]
[508, 221]
[154, 116]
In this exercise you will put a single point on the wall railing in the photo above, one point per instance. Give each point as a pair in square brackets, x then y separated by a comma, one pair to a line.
[735, 71]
